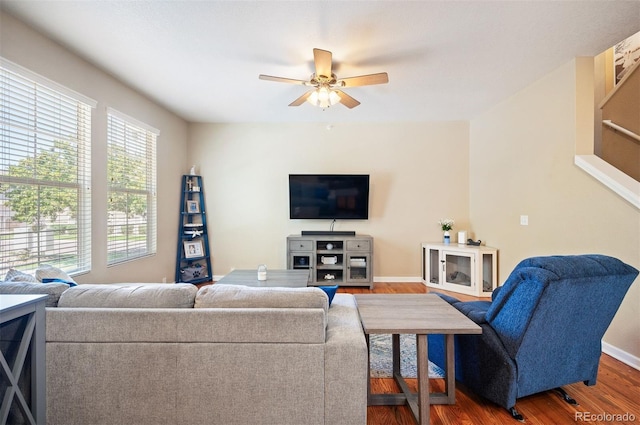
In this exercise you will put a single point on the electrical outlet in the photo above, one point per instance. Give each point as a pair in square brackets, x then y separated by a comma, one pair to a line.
[164, 279]
[524, 220]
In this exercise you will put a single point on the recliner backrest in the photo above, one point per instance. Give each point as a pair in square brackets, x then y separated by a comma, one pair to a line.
[550, 303]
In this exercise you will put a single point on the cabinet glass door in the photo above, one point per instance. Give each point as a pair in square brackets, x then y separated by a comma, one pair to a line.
[300, 261]
[488, 265]
[433, 266]
[358, 267]
[458, 269]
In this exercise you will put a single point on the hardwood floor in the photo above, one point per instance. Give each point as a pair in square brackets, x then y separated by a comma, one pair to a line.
[616, 393]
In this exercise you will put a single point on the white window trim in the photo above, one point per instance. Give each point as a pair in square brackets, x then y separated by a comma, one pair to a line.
[13, 67]
[84, 186]
[131, 120]
[151, 241]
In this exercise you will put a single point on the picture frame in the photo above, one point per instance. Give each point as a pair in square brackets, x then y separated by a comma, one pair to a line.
[193, 207]
[193, 249]
[625, 55]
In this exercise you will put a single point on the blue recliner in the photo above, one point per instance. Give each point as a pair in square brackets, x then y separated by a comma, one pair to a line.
[542, 329]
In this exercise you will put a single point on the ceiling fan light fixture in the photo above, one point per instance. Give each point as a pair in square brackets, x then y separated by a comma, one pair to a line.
[323, 97]
[334, 97]
[327, 87]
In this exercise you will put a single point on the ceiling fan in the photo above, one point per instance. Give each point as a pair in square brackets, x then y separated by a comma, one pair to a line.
[326, 86]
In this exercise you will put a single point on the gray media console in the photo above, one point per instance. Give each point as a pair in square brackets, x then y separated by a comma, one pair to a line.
[333, 259]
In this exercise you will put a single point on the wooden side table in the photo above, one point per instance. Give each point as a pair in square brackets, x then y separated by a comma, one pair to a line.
[419, 314]
[33, 336]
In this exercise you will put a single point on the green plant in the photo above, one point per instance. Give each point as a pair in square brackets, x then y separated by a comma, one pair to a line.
[446, 224]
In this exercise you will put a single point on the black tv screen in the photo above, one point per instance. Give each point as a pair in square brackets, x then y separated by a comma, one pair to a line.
[329, 196]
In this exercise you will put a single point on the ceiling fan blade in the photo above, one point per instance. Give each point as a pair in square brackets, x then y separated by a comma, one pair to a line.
[283, 80]
[364, 80]
[299, 101]
[322, 60]
[347, 100]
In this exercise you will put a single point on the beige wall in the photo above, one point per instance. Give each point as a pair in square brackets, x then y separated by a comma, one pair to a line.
[522, 163]
[419, 174]
[25, 47]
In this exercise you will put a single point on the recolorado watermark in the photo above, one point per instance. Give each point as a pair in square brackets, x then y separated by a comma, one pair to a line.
[604, 417]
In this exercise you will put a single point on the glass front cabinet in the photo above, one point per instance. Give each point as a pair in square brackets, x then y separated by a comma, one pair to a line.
[460, 268]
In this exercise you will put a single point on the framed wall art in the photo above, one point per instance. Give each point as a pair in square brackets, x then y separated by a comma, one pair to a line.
[625, 55]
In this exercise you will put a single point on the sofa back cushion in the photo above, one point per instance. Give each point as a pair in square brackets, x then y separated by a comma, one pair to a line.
[53, 290]
[132, 295]
[239, 296]
[14, 275]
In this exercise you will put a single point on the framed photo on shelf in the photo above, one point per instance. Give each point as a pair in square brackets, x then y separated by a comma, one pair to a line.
[193, 207]
[193, 249]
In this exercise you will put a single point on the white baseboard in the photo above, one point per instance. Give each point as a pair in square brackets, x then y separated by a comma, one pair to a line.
[623, 356]
[403, 279]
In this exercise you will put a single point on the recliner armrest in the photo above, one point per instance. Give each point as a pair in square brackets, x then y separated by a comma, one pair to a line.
[474, 310]
[451, 300]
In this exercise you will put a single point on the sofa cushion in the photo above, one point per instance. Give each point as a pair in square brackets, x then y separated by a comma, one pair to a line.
[133, 295]
[14, 275]
[53, 290]
[47, 273]
[239, 296]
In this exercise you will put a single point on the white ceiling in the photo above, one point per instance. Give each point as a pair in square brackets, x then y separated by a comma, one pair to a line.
[446, 60]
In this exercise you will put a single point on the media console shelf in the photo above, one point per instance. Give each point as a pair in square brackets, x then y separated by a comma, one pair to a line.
[332, 259]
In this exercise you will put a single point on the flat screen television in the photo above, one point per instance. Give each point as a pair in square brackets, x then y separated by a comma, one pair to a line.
[329, 196]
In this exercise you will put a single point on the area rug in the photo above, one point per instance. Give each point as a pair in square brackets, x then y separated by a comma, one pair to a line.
[382, 363]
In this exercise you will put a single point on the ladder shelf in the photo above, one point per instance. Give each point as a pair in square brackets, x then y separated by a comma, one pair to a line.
[193, 258]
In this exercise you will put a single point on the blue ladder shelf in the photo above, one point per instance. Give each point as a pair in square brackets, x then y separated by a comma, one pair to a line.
[193, 258]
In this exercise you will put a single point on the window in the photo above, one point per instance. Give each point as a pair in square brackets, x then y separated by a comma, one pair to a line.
[45, 173]
[131, 173]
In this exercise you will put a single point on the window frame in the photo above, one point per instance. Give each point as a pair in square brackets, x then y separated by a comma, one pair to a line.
[35, 116]
[126, 140]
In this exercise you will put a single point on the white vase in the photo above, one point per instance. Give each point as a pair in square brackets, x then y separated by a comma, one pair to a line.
[447, 237]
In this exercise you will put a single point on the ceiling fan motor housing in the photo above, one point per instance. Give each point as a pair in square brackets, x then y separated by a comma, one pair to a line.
[322, 80]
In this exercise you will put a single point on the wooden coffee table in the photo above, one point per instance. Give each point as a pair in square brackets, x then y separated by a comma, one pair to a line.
[281, 278]
[419, 314]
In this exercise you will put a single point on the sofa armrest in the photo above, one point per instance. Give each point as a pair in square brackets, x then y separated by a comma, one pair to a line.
[346, 360]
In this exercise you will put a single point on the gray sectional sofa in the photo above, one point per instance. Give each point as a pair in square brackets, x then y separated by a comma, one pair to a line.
[175, 354]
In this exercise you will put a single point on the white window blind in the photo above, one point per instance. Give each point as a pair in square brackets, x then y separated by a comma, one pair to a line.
[131, 173]
[45, 173]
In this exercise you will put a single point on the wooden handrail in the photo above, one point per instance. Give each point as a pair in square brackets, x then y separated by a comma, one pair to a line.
[621, 129]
